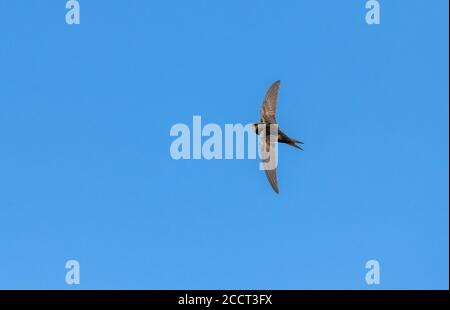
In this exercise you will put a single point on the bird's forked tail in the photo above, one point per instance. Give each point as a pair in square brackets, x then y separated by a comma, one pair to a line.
[295, 143]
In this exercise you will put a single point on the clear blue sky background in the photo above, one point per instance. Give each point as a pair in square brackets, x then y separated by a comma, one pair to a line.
[86, 173]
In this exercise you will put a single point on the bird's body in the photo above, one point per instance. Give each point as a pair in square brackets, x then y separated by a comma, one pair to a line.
[282, 137]
[267, 118]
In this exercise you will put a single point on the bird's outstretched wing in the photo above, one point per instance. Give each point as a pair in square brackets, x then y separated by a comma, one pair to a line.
[269, 106]
[270, 161]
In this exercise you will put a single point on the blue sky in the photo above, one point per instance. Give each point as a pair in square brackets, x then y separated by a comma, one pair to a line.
[86, 173]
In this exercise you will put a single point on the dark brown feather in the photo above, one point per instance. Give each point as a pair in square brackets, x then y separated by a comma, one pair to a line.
[269, 106]
[270, 148]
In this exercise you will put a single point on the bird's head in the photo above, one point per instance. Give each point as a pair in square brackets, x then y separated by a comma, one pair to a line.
[255, 127]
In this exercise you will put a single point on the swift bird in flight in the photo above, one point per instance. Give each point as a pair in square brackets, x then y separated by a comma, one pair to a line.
[267, 145]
